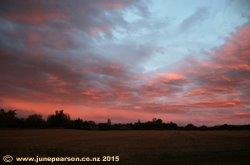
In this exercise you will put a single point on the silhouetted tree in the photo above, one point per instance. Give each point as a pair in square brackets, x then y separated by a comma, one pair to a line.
[171, 126]
[8, 118]
[35, 121]
[89, 125]
[59, 119]
[190, 127]
[78, 124]
[138, 125]
[203, 127]
[157, 123]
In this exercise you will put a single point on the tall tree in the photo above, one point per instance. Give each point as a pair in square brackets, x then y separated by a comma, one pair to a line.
[59, 119]
[35, 121]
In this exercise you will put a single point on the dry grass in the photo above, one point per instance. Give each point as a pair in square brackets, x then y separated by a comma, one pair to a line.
[134, 147]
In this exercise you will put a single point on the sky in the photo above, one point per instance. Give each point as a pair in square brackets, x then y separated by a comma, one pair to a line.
[181, 61]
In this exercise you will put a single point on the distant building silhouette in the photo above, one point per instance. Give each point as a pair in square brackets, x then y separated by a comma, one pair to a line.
[109, 122]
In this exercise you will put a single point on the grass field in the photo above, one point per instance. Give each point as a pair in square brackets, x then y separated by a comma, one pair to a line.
[133, 147]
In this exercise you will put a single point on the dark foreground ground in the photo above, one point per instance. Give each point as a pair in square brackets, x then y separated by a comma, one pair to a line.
[133, 147]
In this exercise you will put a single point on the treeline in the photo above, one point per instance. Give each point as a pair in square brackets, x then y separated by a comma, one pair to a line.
[9, 119]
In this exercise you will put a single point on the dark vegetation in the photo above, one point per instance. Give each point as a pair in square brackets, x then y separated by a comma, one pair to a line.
[9, 119]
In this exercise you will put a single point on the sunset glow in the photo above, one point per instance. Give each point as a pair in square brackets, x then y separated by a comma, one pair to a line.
[181, 61]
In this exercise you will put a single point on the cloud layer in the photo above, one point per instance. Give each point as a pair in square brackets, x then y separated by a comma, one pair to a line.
[95, 60]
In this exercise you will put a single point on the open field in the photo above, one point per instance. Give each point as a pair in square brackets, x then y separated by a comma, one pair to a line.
[133, 147]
